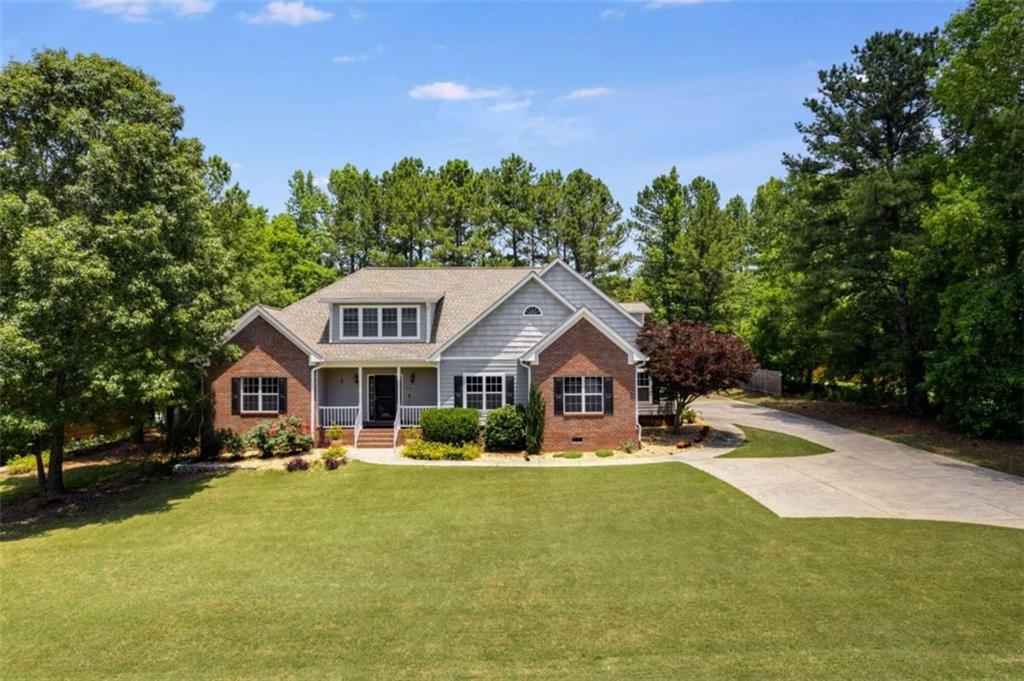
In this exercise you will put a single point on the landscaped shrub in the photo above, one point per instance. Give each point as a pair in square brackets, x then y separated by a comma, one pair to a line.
[296, 464]
[335, 433]
[569, 455]
[505, 429]
[331, 463]
[334, 452]
[604, 453]
[451, 426]
[627, 447]
[533, 420]
[284, 437]
[435, 451]
[689, 415]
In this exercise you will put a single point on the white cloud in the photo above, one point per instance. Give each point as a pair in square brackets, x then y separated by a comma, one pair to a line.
[356, 57]
[513, 105]
[294, 13]
[449, 91]
[612, 14]
[355, 14]
[321, 181]
[137, 11]
[589, 93]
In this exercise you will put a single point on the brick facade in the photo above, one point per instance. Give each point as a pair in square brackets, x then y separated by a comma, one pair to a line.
[585, 351]
[267, 354]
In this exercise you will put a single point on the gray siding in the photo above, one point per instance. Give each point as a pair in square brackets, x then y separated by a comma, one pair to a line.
[506, 332]
[577, 293]
[336, 324]
[450, 368]
[422, 391]
[337, 387]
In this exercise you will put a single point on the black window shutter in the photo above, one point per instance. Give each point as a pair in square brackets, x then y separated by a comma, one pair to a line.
[558, 395]
[236, 395]
[608, 406]
[510, 389]
[282, 395]
[655, 391]
[458, 391]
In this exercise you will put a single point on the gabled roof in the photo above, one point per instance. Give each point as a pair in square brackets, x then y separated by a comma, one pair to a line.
[531, 277]
[631, 351]
[268, 314]
[589, 284]
[463, 294]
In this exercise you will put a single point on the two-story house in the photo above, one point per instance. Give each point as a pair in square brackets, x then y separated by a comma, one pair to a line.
[371, 351]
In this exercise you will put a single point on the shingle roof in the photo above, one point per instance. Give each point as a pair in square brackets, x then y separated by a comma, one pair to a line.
[464, 292]
[635, 308]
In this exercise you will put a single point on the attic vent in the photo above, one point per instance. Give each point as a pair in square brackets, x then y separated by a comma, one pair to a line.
[532, 311]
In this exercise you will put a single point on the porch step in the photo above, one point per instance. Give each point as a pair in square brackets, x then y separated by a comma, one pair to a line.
[376, 438]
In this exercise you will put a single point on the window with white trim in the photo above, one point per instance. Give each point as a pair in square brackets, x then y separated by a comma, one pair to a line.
[371, 321]
[583, 395]
[259, 394]
[483, 391]
[532, 311]
[643, 386]
[410, 322]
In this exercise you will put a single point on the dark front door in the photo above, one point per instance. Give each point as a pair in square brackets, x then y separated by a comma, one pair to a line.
[383, 402]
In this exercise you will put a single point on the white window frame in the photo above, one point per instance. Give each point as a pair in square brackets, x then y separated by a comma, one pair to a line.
[649, 387]
[380, 322]
[483, 392]
[260, 394]
[526, 311]
[583, 395]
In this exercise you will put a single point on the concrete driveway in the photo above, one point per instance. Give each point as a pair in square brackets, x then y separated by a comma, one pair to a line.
[865, 476]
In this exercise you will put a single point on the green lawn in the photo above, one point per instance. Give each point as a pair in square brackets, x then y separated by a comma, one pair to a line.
[761, 443]
[651, 571]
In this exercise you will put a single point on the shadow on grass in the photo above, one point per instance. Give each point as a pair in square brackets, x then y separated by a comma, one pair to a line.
[97, 493]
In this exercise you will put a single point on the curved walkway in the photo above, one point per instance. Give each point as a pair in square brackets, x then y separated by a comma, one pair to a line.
[864, 477]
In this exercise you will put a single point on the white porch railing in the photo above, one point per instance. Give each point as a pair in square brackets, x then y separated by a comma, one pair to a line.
[346, 417]
[410, 416]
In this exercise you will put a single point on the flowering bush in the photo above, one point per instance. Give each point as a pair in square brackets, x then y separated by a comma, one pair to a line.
[435, 451]
[286, 436]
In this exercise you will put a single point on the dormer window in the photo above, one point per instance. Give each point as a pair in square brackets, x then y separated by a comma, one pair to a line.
[532, 311]
[372, 321]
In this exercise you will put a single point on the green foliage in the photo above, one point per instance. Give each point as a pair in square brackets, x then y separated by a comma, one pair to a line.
[689, 415]
[436, 451]
[452, 426]
[604, 453]
[569, 455]
[335, 433]
[334, 453]
[627, 447]
[690, 248]
[285, 436]
[505, 429]
[533, 420]
[116, 284]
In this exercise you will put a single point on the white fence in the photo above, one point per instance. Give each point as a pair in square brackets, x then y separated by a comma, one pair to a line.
[765, 381]
[410, 416]
[338, 416]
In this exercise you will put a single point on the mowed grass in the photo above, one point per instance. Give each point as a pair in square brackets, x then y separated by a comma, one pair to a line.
[655, 571]
[761, 443]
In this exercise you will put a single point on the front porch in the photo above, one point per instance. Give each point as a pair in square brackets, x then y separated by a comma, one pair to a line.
[373, 404]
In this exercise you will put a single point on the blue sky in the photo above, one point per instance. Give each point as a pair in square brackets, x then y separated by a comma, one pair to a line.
[623, 90]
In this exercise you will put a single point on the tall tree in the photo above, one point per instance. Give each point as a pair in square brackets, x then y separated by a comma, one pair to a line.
[510, 192]
[407, 188]
[548, 206]
[658, 221]
[590, 229]
[354, 222]
[116, 285]
[460, 232]
[870, 165]
[976, 371]
[307, 202]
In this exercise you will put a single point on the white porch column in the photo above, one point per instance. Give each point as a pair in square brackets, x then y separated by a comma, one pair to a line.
[398, 394]
[359, 381]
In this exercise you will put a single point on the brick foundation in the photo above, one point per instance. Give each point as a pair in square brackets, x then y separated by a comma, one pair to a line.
[585, 351]
[267, 354]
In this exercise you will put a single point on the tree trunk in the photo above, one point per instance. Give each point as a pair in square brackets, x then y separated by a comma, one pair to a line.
[40, 472]
[55, 480]
[677, 420]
